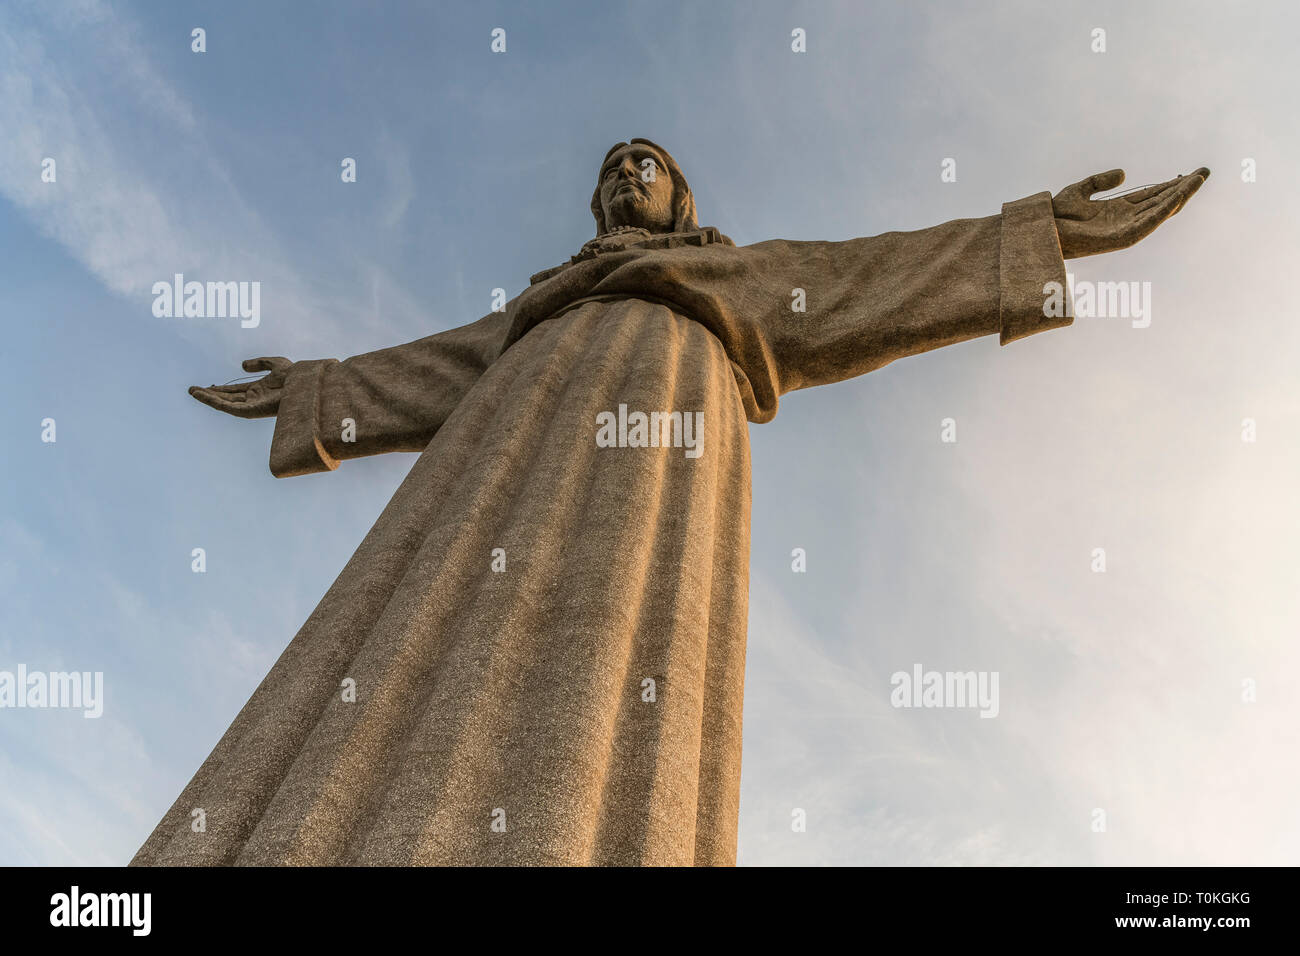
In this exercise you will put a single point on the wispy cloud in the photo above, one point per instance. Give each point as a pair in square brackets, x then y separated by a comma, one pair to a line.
[132, 218]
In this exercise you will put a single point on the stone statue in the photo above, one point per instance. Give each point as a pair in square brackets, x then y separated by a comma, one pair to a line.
[536, 656]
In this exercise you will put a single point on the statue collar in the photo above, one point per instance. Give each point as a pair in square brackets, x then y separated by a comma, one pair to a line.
[621, 239]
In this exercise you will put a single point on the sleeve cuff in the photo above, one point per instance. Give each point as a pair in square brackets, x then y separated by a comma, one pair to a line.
[1029, 259]
[296, 447]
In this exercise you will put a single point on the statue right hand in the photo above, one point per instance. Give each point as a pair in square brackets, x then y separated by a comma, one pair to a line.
[257, 399]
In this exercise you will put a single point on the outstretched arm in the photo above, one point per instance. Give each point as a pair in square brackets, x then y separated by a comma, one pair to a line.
[396, 398]
[874, 300]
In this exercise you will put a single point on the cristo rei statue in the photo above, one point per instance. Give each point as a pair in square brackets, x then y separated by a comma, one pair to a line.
[536, 656]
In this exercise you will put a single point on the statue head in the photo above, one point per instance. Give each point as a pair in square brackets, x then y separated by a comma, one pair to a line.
[640, 185]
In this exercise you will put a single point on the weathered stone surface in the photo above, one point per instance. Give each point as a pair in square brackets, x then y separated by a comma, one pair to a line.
[522, 691]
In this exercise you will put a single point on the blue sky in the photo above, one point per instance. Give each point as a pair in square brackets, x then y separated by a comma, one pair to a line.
[1119, 691]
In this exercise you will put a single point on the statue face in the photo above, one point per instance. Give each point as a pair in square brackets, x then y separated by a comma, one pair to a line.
[637, 190]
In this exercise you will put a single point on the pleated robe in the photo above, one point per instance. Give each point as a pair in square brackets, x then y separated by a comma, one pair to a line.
[536, 656]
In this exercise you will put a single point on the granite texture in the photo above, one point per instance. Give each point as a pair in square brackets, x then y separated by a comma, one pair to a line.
[522, 690]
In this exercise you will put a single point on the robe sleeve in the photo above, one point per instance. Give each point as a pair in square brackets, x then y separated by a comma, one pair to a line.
[397, 397]
[871, 301]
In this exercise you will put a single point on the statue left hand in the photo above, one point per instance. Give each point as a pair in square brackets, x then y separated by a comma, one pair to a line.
[1087, 227]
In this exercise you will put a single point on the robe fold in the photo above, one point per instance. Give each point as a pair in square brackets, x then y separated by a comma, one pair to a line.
[546, 636]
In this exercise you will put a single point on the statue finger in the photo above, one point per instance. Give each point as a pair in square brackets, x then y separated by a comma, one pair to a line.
[220, 402]
[1183, 186]
[1167, 204]
[1100, 182]
[213, 393]
[1184, 191]
[1149, 192]
[238, 388]
[267, 363]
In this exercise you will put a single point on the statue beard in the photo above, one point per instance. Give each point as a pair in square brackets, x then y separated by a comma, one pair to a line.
[634, 210]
